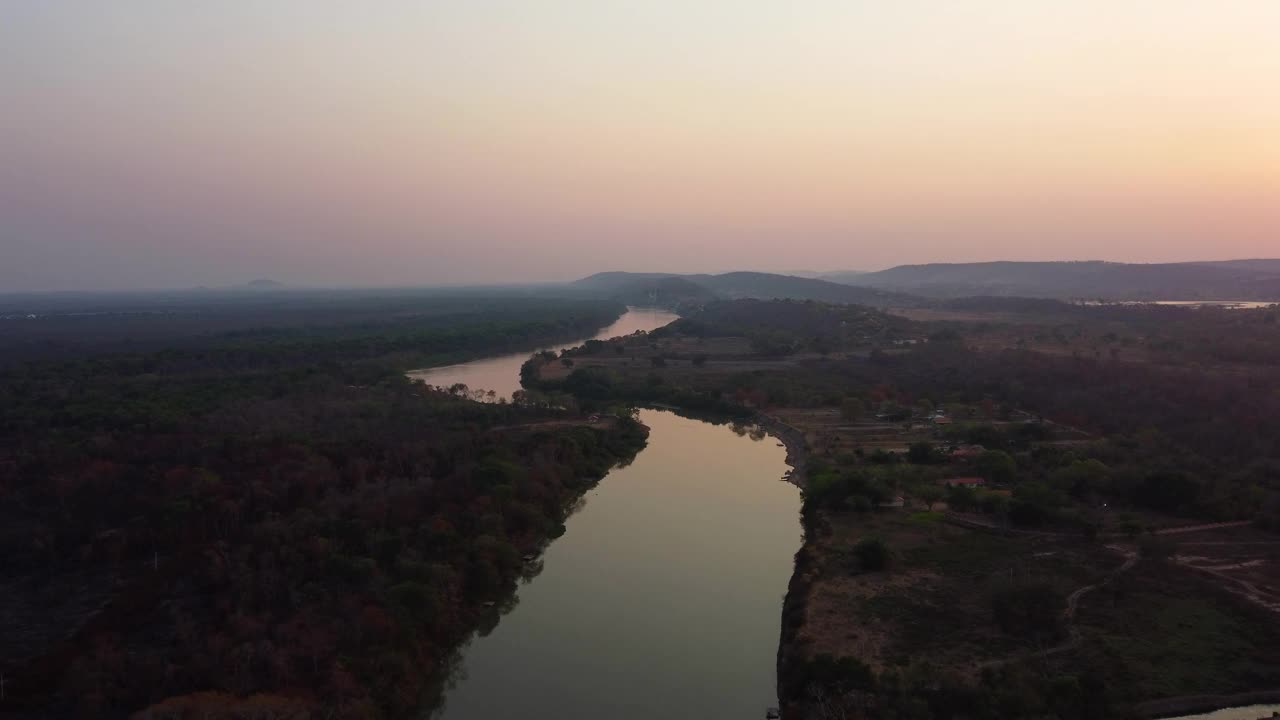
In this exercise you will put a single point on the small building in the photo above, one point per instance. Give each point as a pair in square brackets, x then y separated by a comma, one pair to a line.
[941, 420]
[969, 482]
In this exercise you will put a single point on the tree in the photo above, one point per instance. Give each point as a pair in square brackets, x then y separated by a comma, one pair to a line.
[1169, 490]
[852, 409]
[872, 554]
[996, 466]
[929, 495]
[921, 453]
[1034, 504]
[567, 362]
[1081, 478]
[961, 497]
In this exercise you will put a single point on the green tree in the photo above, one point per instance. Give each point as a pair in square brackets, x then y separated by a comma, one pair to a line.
[872, 554]
[1081, 478]
[929, 495]
[922, 453]
[996, 466]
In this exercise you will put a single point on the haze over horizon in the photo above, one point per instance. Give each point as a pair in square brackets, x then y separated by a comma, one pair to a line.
[152, 144]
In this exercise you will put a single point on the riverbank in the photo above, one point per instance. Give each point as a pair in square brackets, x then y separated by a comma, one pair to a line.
[658, 543]
[793, 440]
[502, 373]
[1196, 704]
[894, 605]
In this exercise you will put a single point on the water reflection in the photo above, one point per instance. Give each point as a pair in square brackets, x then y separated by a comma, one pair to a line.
[498, 377]
[663, 600]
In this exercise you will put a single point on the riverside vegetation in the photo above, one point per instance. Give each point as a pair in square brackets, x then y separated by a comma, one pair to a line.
[261, 516]
[1109, 551]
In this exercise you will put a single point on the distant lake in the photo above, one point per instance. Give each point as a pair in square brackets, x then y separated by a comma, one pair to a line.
[502, 374]
[1226, 304]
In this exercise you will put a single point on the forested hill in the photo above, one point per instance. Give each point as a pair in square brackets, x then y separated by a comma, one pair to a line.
[734, 285]
[1225, 280]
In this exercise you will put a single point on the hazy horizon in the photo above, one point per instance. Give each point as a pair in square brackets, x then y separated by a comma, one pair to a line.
[157, 145]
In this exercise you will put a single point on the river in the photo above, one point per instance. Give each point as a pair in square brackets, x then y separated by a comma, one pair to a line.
[664, 596]
[502, 373]
[1249, 712]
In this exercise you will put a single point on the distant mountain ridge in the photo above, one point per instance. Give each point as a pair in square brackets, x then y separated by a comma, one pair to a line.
[1257, 279]
[263, 284]
[674, 288]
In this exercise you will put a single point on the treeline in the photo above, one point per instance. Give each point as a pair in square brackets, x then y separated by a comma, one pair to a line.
[784, 327]
[252, 528]
[1176, 439]
[370, 323]
[1177, 434]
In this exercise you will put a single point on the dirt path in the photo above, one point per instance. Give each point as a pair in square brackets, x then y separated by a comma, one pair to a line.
[1235, 585]
[1073, 600]
[1069, 614]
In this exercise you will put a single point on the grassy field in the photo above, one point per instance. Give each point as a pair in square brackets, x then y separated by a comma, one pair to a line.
[933, 603]
[1166, 634]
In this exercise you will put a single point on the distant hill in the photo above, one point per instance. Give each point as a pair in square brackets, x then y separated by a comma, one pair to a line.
[1224, 280]
[611, 281]
[764, 286]
[842, 276]
[263, 284]
[1269, 266]
[669, 291]
[768, 286]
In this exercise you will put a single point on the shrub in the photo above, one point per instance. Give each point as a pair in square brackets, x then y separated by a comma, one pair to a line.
[872, 554]
[1031, 609]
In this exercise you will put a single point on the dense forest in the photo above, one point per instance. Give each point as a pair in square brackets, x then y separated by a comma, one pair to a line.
[1225, 280]
[274, 520]
[1179, 412]
[1074, 432]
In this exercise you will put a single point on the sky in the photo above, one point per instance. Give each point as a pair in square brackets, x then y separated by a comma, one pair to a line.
[151, 143]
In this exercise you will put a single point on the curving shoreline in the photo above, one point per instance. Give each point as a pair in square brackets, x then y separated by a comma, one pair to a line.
[795, 599]
[793, 440]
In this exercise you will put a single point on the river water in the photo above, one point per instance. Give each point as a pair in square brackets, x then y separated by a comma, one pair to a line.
[502, 373]
[1250, 712]
[664, 596]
